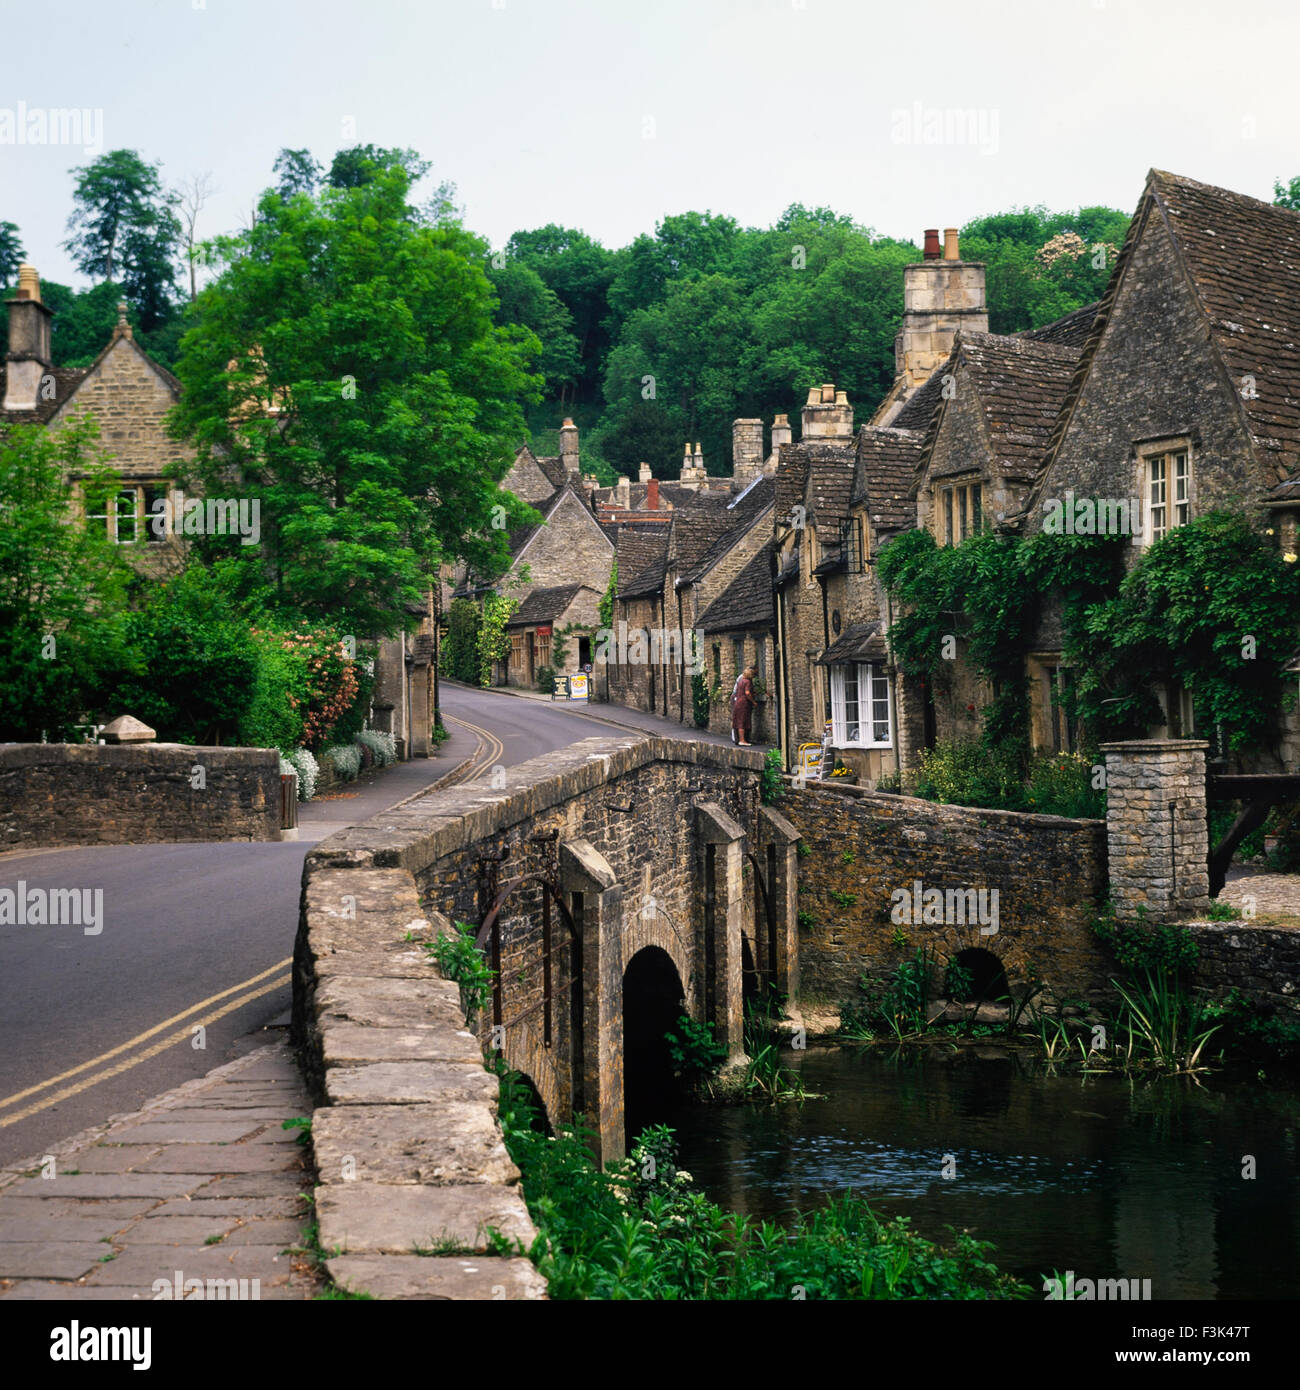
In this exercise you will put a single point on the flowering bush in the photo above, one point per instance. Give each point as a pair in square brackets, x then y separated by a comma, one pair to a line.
[380, 744]
[346, 762]
[308, 770]
[316, 684]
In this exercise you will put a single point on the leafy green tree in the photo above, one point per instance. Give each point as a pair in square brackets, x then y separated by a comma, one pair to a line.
[361, 164]
[124, 228]
[62, 586]
[1287, 195]
[296, 172]
[345, 373]
[525, 299]
[11, 253]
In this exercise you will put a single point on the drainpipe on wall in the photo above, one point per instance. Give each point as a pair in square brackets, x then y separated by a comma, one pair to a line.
[681, 674]
[782, 681]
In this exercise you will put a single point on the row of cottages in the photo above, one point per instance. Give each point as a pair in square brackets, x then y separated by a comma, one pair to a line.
[130, 396]
[1180, 389]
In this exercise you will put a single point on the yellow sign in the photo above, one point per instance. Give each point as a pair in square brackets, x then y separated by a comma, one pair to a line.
[578, 686]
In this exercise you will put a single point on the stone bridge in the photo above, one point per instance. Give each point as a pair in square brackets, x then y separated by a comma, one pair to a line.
[613, 886]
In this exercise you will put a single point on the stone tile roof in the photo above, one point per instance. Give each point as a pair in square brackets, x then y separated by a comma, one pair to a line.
[921, 404]
[66, 381]
[554, 470]
[521, 535]
[859, 642]
[739, 515]
[1243, 256]
[545, 605]
[830, 483]
[1070, 331]
[693, 531]
[887, 459]
[641, 556]
[748, 601]
[791, 480]
[1022, 385]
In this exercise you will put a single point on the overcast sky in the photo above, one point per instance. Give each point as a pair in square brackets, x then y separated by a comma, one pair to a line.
[608, 114]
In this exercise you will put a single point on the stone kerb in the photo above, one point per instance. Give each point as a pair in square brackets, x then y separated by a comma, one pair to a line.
[1156, 828]
[407, 1144]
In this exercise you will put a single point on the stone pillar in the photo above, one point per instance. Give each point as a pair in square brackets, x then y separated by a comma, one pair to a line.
[1156, 831]
[775, 832]
[584, 870]
[746, 450]
[721, 916]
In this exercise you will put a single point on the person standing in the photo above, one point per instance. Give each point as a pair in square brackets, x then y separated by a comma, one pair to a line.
[742, 707]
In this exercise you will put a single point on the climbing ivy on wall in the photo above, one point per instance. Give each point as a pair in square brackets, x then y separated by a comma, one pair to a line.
[493, 640]
[606, 606]
[1212, 605]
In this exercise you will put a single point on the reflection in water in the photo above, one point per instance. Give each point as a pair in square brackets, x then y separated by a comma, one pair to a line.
[1109, 1177]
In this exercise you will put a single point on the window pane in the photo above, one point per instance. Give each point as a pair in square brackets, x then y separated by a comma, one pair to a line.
[1182, 490]
[126, 519]
[947, 516]
[852, 727]
[977, 511]
[879, 685]
[1157, 495]
[155, 515]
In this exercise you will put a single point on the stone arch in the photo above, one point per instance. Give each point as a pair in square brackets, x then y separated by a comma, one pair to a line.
[654, 998]
[988, 975]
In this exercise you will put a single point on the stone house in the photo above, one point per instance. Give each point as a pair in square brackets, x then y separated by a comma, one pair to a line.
[739, 629]
[642, 557]
[564, 558]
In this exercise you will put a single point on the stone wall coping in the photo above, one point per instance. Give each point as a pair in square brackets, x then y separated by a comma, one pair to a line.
[1155, 745]
[39, 754]
[920, 803]
[422, 831]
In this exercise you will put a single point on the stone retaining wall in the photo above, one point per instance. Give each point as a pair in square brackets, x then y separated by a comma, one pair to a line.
[1262, 961]
[113, 794]
[1049, 872]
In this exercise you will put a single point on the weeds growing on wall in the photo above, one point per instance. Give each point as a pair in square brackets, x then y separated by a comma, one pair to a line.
[641, 1230]
[770, 785]
[460, 960]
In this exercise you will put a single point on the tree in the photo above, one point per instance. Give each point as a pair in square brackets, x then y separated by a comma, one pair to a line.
[124, 228]
[363, 163]
[62, 585]
[345, 373]
[194, 195]
[525, 299]
[1287, 195]
[296, 172]
[11, 253]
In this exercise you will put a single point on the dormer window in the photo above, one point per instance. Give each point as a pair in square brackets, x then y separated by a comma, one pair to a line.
[1166, 489]
[960, 512]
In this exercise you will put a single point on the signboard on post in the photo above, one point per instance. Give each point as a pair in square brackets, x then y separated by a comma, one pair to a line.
[560, 688]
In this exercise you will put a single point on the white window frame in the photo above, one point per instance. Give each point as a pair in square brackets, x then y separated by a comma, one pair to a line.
[870, 677]
[1176, 491]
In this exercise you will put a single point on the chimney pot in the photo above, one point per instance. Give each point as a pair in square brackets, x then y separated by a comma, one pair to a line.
[932, 252]
[950, 251]
[814, 396]
[29, 283]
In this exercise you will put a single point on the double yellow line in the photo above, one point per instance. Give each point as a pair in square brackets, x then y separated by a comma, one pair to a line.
[248, 990]
[489, 743]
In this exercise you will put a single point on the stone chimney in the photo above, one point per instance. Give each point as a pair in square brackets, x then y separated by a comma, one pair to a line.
[693, 474]
[623, 491]
[828, 415]
[781, 434]
[28, 360]
[569, 448]
[652, 495]
[746, 451]
[644, 475]
[939, 298]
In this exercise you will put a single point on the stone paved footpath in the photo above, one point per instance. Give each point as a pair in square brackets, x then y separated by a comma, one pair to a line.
[203, 1183]
[1276, 896]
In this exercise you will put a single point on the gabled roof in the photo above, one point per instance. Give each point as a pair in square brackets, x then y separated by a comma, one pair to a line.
[522, 535]
[830, 484]
[882, 475]
[793, 474]
[545, 605]
[1022, 384]
[1070, 331]
[747, 601]
[552, 468]
[738, 516]
[921, 404]
[640, 556]
[1243, 257]
[66, 381]
[693, 531]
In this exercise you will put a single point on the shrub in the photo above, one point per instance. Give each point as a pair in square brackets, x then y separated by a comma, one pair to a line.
[381, 745]
[770, 783]
[346, 762]
[968, 774]
[461, 961]
[546, 679]
[460, 646]
[1060, 784]
[308, 770]
[696, 1054]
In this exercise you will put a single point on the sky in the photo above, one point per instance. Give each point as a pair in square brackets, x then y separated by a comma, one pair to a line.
[609, 114]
